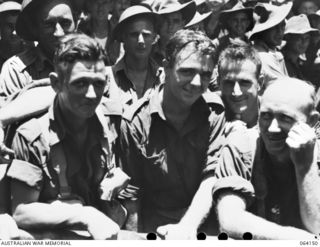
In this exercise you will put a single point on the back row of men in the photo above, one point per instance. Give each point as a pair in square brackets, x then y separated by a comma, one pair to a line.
[103, 160]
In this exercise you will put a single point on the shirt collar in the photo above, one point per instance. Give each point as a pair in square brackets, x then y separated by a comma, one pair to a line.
[58, 128]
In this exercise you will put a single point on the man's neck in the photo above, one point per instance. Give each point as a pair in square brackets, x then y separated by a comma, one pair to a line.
[138, 65]
[174, 110]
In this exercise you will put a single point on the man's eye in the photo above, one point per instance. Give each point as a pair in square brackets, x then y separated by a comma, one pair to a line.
[80, 83]
[286, 118]
[206, 75]
[65, 23]
[245, 82]
[265, 115]
[99, 84]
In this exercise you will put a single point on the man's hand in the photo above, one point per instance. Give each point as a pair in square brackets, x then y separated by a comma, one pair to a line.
[177, 231]
[4, 151]
[8, 227]
[99, 225]
[301, 141]
[113, 184]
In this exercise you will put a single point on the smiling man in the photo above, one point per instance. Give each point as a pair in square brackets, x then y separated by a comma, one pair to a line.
[269, 185]
[64, 156]
[239, 70]
[168, 140]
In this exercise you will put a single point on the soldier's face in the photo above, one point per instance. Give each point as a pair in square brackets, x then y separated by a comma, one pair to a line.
[55, 20]
[82, 91]
[189, 76]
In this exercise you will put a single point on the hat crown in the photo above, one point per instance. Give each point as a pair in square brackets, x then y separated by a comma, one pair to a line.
[10, 6]
[25, 3]
[261, 13]
[298, 24]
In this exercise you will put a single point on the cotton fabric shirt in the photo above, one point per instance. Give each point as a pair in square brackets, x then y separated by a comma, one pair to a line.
[22, 69]
[270, 191]
[169, 165]
[38, 166]
[125, 91]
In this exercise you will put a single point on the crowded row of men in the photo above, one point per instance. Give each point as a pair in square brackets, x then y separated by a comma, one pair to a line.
[181, 134]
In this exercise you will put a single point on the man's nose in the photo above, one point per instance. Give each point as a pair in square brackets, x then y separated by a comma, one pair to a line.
[58, 32]
[140, 39]
[274, 126]
[196, 80]
[91, 94]
[236, 89]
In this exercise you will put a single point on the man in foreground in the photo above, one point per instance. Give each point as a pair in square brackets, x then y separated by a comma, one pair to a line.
[64, 157]
[269, 186]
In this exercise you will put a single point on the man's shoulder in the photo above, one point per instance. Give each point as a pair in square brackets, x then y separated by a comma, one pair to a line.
[33, 128]
[22, 60]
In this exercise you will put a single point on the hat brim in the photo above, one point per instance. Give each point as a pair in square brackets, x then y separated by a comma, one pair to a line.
[303, 31]
[198, 20]
[188, 10]
[118, 30]
[281, 16]
[10, 6]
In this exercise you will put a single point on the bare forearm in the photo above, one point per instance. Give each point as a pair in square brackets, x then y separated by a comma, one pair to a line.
[200, 205]
[308, 184]
[38, 215]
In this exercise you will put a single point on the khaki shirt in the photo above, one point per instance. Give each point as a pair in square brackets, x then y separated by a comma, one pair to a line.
[169, 165]
[47, 158]
[22, 69]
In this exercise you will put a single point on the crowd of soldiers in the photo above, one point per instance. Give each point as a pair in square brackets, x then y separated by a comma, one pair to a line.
[121, 118]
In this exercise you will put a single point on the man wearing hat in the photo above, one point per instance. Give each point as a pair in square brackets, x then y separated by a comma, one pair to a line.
[168, 139]
[297, 35]
[10, 43]
[136, 72]
[237, 21]
[53, 20]
[267, 35]
[198, 21]
[174, 17]
[269, 183]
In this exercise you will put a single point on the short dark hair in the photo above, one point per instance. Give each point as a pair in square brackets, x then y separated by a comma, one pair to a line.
[77, 47]
[238, 53]
[184, 37]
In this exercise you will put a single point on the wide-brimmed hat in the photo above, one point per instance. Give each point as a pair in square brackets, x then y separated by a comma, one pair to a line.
[128, 14]
[10, 6]
[25, 25]
[197, 18]
[267, 16]
[163, 7]
[238, 7]
[299, 25]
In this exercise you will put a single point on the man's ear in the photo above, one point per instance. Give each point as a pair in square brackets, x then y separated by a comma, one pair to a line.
[55, 82]
[314, 117]
[260, 84]
[156, 38]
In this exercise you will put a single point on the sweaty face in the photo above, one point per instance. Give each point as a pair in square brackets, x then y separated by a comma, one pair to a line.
[139, 37]
[100, 9]
[171, 23]
[55, 20]
[81, 94]
[273, 36]
[238, 24]
[190, 75]
[239, 86]
[299, 43]
[278, 113]
[307, 8]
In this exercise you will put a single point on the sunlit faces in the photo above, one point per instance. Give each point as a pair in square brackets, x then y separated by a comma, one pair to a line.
[239, 86]
[170, 24]
[54, 21]
[238, 24]
[308, 7]
[100, 9]
[279, 111]
[139, 36]
[298, 43]
[273, 36]
[81, 94]
[189, 76]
